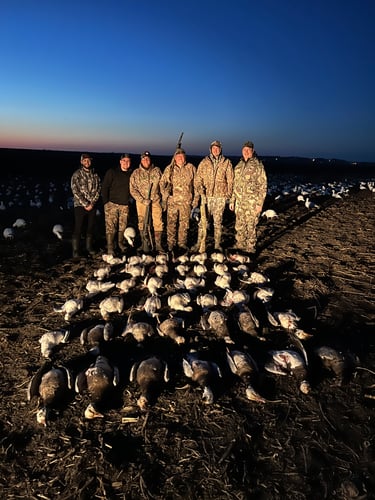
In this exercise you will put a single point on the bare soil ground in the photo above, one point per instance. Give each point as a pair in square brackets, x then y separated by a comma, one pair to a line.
[296, 446]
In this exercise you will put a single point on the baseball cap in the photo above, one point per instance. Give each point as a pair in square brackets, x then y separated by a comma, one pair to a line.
[125, 155]
[248, 144]
[180, 151]
[85, 156]
[215, 143]
[146, 154]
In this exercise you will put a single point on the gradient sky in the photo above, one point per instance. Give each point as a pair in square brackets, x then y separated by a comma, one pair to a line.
[295, 77]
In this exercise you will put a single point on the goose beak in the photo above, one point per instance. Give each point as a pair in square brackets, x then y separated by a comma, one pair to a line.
[91, 413]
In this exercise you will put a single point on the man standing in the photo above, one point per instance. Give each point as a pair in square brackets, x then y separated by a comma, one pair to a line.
[177, 189]
[214, 184]
[145, 189]
[85, 185]
[249, 193]
[116, 195]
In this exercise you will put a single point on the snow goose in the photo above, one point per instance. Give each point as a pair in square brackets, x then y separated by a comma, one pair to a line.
[58, 231]
[203, 372]
[149, 374]
[269, 214]
[52, 386]
[70, 308]
[110, 305]
[288, 362]
[172, 328]
[245, 367]
[129, 235]
[19, 223]
[50, 340]
[8, 233]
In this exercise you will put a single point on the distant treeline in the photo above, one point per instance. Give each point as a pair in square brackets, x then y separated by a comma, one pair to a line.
[61, 164]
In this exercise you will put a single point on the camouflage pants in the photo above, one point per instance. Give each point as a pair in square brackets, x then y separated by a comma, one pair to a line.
[116, 217]
[156, 215]
[215, 209]
[245, 226]
[178, 214]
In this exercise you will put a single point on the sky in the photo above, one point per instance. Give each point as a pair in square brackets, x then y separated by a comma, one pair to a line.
[296, 77]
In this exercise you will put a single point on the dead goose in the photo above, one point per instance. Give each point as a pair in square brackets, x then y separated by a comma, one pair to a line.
[220, 268]
[94, 287]
[247, 321]
[204, 373]
[153, 284]
[180, 302]
[149, 375]
[139, 330]
[289, 362]
[245, 367]
[200, 270]
[216, 321]
[335, 362]
[217, 257]
[223, 281]
[171, 327]
[200, 258]
[288, 321]
[19, 223]
[129, 235]
[99, 380]
[110, 305]
[95, 336]
[8, 233]
[52, 386]
[152, 305]
[206, 301]
[127, 284]
[161, 270]
[102, 273]
[50, 340]
[70, 308]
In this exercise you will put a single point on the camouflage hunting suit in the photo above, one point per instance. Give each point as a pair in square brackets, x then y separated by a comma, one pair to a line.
[214, 179]
[140, 181]
[177, 190]
[249, 193]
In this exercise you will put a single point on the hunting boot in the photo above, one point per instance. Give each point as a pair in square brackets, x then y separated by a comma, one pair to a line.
[75, 247]
[89, 247]
[110, 239]
[158, 245]
[217, 238]
[120, 241]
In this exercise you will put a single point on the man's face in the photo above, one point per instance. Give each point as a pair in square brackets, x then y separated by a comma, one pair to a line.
[125, 164]
[86, 162]
[179, 159]
[215, 150]
[146, 161]
[247, 152]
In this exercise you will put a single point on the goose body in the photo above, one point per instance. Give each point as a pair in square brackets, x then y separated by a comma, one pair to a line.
[52, 386]
[99, 380]
[288, 362]
[58, 231]
[70, 308]
[171, 327]
[50, 340]
[149, 375]
[110, 305]
[202, 372]
[139, 330]
[95, 336]
[129, 235]
[180, 302]
[244, 366]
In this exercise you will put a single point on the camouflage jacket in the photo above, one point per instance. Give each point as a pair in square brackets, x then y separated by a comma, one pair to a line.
[86, 186]
[177, 183]
[214, 178]
[140, 182]
[250, 182]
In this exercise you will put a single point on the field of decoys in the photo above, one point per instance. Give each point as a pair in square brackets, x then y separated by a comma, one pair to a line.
[190, 375]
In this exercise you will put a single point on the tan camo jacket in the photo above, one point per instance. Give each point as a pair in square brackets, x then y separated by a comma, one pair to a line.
[250, 182]
[141, 180]
[214, 180]
[177, 183]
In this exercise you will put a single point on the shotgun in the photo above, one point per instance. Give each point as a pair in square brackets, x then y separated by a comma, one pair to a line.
[202, 243]
[168, 190]
[147, 242]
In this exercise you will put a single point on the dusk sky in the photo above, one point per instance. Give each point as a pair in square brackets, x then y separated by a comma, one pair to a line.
[295, 77]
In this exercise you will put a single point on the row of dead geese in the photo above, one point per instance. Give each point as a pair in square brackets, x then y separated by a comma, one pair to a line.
[218, 295]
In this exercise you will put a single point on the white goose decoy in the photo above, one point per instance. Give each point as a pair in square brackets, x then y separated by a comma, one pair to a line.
[110, 305]
[9, 233]
[50, 340]
[204, 373]
[19, 223]
[70, 308]
[129, 235]
[289, 362]
[244, 366]
[171, 327]
[149, 375]
[58, 231]
[52, 386]
[180, 302]
[99, 380]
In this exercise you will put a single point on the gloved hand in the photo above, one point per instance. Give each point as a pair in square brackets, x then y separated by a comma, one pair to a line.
[147, 202]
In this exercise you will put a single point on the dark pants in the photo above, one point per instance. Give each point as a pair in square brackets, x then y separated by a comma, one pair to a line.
[83, 218]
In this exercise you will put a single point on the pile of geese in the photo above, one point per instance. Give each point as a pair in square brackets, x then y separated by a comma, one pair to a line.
[203, 317]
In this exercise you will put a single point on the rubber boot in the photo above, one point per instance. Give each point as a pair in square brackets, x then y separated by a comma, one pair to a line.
[110, 239]
[89, 247]
[120, 241]
[158, 245]
[75, 247]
